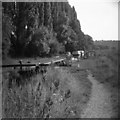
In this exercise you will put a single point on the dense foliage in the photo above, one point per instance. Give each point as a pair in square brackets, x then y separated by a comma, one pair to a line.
[42, 28]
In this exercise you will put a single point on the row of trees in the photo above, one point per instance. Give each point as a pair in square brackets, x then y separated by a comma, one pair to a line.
[41, 28]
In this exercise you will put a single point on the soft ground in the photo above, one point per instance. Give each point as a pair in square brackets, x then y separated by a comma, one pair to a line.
[88, 89]
[79, 94]
[105, 84]
[100, 103]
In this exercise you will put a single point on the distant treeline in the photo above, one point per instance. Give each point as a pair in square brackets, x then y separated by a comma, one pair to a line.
[41, 29]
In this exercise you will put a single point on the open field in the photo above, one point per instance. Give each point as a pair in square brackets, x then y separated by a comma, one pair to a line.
[61, 92]
[104, 68]
[110, 44]
[36, 81]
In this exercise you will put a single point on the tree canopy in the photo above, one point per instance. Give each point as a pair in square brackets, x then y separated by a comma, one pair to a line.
[41, 28]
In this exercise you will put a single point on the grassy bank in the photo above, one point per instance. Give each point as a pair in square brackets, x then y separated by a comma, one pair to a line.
[61, 93]
[104, 68]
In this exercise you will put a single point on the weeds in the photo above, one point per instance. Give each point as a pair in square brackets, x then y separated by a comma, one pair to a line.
[53, 94]
[106, 67]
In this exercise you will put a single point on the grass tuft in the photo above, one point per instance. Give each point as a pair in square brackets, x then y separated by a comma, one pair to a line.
[57, 94]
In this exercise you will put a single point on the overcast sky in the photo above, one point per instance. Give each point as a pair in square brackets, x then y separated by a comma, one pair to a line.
[98, 18]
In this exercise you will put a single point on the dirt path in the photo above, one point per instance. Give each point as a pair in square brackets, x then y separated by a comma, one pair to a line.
[99, 105]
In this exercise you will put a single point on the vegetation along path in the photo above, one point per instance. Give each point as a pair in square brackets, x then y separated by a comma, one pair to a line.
[99, 105]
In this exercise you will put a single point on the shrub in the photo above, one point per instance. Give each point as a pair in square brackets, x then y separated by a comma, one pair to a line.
[38, 45]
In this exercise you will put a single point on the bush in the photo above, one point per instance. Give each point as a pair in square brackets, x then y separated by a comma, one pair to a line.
[38, 45]
[43, 42]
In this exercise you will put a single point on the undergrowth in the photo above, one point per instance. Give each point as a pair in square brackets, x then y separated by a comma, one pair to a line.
[55, 94]
[106, 68]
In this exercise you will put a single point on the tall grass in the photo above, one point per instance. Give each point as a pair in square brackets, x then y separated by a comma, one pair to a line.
[56, 94]
[23, 101]
[106, 67]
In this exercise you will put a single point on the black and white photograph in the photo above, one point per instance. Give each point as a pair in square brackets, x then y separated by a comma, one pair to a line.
[59, 59]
